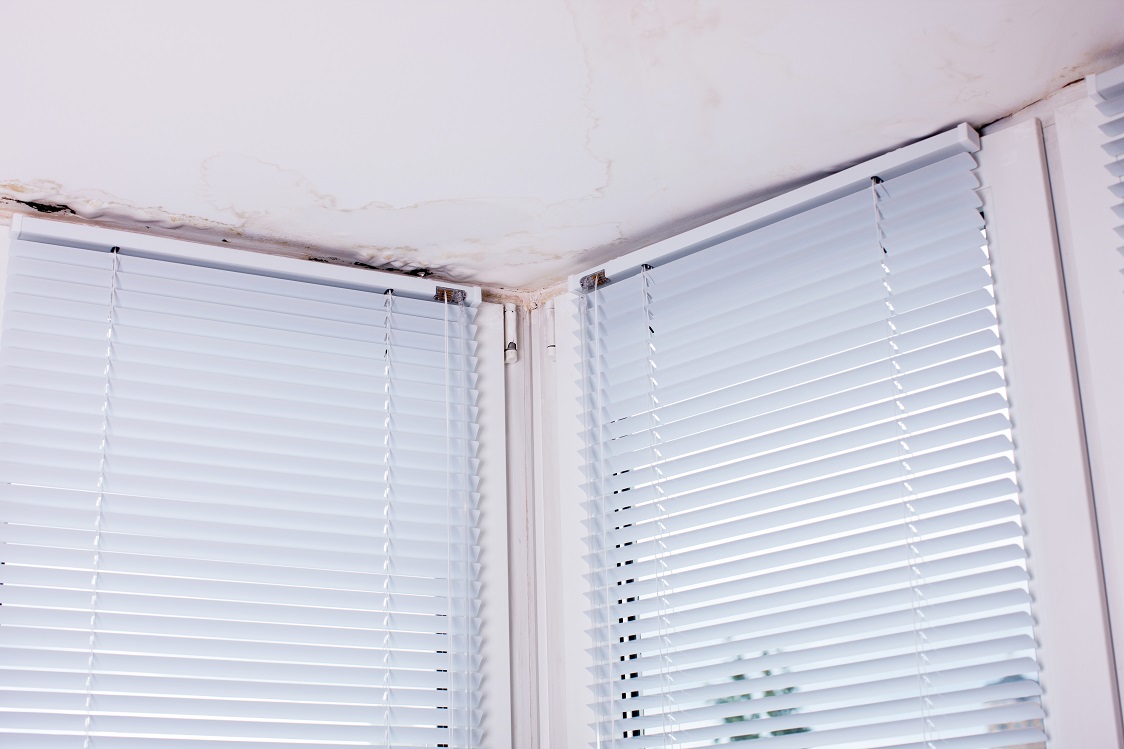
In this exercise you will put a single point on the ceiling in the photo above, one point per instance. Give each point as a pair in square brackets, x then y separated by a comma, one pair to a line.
[506, 143]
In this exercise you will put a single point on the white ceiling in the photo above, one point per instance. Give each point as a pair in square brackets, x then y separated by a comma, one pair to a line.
[501, 142]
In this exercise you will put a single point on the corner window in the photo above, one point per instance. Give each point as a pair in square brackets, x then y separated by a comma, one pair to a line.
[804, 517]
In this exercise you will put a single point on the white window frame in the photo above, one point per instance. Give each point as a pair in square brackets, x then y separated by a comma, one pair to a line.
[494, 598]
[1074, 645]
[1092, 265]
[1081, 697]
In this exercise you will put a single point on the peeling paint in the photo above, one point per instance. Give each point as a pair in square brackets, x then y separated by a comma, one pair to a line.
[96, 206]
[41, 207]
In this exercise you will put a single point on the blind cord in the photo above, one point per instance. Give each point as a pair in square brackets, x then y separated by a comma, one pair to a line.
[469, 648]
[451, 727]
[388, 443]
[910, 517]
[99, 506]
[666, 698]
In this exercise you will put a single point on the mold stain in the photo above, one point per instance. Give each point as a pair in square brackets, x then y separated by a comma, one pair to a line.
[114, 215]
[42, 207]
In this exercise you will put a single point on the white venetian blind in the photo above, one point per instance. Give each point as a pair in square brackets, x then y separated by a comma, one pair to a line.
[1109, 89]
[804, 524]
[236, 510]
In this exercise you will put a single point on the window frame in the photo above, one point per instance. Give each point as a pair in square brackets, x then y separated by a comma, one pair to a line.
[493, 525]
[1064, 559]
[1065, 562]
[1091, 263]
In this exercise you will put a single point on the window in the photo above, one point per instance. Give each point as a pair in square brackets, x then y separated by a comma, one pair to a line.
[818, 533]
[61, 662]
[239, 507]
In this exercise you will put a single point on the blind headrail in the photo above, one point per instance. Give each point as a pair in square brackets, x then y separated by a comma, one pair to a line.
[1106, 85]
[962, 138]
[70, 234]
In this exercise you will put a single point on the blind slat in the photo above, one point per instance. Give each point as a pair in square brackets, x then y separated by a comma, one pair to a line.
[803, 524]
[236, 509]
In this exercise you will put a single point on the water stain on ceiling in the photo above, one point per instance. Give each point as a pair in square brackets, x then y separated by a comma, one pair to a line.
[501, 143]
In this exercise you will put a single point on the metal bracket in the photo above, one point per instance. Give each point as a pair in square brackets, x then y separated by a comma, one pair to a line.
[449, 296]
[593, 280]
[510, 331]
